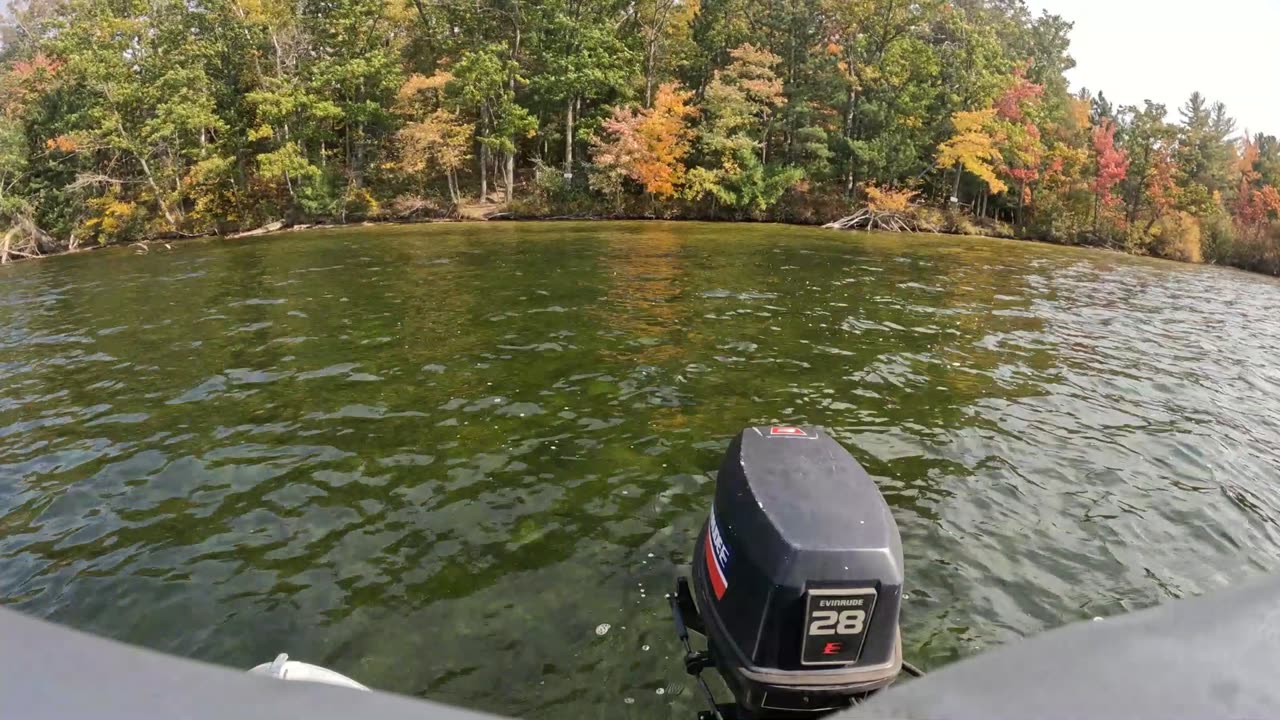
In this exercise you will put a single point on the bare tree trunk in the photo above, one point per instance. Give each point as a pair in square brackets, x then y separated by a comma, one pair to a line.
[764, 142]
[510, 175]
[484, 173]
[357, 168]
[1022, 195]
[848, 133]
[650, 65]
[511, 86]
[955, 191]
[568, 140]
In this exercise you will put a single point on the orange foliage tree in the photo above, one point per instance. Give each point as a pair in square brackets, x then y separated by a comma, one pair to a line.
[887, 199]
[1256, 203]
[645, 145]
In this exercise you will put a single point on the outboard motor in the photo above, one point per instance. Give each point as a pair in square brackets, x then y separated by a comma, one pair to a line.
[797, 579]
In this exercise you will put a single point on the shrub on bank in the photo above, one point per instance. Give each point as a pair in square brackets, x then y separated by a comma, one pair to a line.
[1259, 252]
[1176, 236]
[1217, 238]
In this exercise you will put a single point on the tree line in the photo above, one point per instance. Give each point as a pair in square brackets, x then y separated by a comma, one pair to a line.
[129, 119]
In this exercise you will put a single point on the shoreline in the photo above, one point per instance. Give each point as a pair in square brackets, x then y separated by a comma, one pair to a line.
[266, 231]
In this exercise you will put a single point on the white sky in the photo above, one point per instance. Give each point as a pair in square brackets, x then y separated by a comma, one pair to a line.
[1162, 50]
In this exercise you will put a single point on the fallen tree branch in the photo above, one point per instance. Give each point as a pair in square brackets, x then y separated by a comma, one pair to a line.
[869, 219]
[268, 228]
[24, 239]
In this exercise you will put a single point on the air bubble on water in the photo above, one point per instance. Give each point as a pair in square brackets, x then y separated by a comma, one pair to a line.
[602, 628]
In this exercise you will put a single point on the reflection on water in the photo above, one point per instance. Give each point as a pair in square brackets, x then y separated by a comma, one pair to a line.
[437, 458]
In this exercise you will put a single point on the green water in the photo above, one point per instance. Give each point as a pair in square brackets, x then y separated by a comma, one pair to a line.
[436, 458]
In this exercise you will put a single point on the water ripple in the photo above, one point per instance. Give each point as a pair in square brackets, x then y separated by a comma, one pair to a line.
[396, 450]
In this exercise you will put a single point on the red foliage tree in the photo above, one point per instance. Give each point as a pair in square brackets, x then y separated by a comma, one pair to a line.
[1012, 104]
[1112, 163]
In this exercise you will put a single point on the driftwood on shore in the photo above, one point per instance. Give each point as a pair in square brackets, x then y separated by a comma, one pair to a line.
[24, 239]
[868, 219]
[268, 228]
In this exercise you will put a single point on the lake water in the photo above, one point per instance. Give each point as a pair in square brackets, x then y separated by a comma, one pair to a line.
[436, 458]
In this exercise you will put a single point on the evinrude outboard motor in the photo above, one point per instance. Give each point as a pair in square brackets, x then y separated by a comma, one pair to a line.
[797, 579]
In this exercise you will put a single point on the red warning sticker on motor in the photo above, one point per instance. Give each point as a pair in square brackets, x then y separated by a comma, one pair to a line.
[717, 558]
[792, 432]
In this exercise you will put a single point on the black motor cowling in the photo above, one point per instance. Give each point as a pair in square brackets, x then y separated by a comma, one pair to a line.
[797, 576]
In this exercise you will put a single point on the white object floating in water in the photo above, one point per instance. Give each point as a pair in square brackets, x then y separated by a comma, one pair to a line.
[602, 628]
[282, 668]
[629, 701]
[661, 691]
[645, 648]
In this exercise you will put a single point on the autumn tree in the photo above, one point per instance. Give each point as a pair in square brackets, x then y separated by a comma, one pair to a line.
[974, 147]
[1023, 149]
[1148, 143]
[433, 138]
[1257, 204]
[20, 89]
[1111, 164]
[645, 145]
[739, 109]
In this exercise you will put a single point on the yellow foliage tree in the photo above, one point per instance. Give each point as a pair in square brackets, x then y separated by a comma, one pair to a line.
[975, 147]
[432, 139]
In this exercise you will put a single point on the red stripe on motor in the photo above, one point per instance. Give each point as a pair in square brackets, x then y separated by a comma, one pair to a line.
[718, 582]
